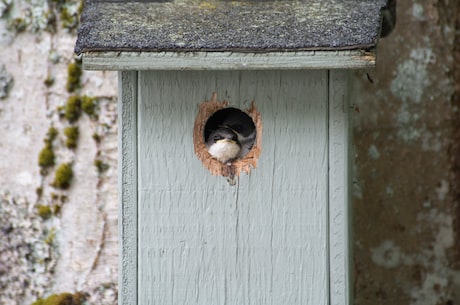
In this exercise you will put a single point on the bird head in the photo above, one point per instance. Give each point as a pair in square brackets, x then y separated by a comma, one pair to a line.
[223, 144]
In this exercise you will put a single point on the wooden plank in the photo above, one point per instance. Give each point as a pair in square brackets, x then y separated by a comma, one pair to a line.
[127, 180]
[264, 241]
[345, 59]
[339, 215]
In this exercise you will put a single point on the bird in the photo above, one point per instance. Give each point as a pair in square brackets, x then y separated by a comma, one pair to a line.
[229, 134]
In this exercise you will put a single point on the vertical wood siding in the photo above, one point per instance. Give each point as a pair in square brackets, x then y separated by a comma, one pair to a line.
[339, 222]
[264, 241]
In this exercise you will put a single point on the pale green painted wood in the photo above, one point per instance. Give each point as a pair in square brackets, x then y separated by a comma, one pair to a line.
[265, 241]
[339, 196]
[127, 184]
[344, 59]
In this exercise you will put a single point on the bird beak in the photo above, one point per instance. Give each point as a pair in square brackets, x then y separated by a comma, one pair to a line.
[225, 141]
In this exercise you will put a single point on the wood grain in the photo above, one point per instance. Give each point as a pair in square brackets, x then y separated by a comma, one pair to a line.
[301, 60]
[264, 241]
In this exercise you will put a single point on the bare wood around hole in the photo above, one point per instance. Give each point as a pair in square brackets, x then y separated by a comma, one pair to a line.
[206, 109]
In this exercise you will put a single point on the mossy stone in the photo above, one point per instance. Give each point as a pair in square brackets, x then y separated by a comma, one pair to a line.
[62, 299]
[17, 25]
[44, 211]
[72, 108]
[71, 134]
[74, 73]
[46, 156]
[101, 166]
[63, 176]
[88, 105]
[52, 134]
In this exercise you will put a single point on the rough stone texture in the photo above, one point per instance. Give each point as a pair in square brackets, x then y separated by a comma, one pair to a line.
[6, 82]
[83, 254]
[406, 136]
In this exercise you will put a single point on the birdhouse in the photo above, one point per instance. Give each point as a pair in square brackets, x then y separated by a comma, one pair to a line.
[233, 145]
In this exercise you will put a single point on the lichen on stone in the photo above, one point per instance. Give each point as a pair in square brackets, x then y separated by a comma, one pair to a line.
[6, 82]
[26, 261]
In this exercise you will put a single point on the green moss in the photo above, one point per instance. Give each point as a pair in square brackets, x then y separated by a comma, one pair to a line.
[39, 191]
[64, 198]
[17, 25]
[49, 81]
[46, 156]
[63, 176]
[97, 138]
[72, 109]
[74, 73]
[62, 299]
[52, 134]
[54, 196]
[57, 209]
[71, 134]
[88, 105]
[44, 211]
[101, 166]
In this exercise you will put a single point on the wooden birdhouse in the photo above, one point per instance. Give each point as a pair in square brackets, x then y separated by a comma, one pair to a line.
[267, 226]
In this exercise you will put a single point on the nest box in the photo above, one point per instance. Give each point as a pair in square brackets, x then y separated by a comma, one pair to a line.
[269, 227]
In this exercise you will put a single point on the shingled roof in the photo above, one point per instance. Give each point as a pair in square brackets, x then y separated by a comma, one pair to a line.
[224, 34]
[219, 25]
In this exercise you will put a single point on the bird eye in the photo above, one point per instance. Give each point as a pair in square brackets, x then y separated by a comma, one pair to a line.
[217, 138]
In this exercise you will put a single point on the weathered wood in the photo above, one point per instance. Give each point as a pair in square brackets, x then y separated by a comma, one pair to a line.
[344, 59]
[264, 241]
[339, 216]
[128, 207]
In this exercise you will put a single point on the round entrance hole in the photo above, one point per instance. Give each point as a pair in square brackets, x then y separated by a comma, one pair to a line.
[229, 134]
[227, 140]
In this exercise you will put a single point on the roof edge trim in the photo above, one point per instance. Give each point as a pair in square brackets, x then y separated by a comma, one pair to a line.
[122, 61]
